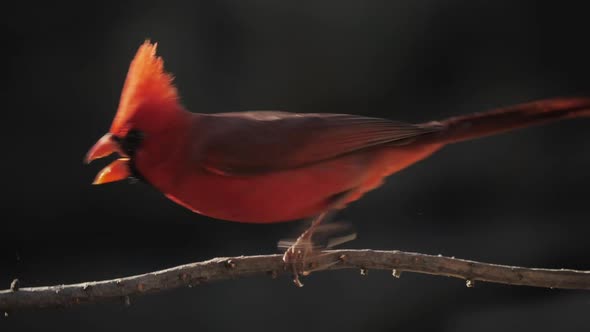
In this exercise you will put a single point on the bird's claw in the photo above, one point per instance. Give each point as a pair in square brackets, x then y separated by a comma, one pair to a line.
[299, 253]
[295, 258]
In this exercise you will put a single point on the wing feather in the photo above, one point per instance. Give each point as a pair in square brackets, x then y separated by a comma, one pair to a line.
[252, 143]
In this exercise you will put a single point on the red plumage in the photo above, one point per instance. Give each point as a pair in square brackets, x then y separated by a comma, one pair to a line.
[264, 167]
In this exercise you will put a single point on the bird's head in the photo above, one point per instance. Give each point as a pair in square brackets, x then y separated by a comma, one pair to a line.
[148, 105]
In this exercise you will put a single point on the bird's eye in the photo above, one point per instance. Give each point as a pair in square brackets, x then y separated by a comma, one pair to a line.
[131, 142]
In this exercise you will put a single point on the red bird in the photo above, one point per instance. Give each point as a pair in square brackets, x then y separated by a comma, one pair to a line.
[267, 167]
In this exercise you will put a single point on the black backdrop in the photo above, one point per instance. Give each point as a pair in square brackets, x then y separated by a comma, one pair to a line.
[520, 198]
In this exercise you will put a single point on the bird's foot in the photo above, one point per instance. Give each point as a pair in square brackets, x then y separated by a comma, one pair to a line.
[295, 257]
[303, 257]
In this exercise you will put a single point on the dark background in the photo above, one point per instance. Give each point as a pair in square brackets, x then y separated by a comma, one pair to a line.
[519, 198]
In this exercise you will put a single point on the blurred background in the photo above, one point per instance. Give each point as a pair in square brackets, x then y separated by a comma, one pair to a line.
[520, 198]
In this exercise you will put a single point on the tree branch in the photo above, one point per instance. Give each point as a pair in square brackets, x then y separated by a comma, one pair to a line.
[272, 265]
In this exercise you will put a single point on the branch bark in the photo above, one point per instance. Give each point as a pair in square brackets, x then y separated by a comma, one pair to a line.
[272, 265]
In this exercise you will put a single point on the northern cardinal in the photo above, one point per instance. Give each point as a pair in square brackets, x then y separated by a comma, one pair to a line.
[267, 167]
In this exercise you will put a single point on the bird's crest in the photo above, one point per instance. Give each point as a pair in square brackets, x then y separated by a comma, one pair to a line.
[147, 83]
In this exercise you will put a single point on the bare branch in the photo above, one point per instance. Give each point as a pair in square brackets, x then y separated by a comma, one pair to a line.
[273, 266]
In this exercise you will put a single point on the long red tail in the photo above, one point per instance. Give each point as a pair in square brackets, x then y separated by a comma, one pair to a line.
[466, 127]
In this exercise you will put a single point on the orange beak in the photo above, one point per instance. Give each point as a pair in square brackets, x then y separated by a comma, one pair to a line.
[118, 169]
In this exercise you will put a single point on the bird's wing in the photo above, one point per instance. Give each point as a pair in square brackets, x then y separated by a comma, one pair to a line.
[253, 143]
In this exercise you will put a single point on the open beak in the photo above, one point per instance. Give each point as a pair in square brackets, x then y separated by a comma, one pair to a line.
[118, 169]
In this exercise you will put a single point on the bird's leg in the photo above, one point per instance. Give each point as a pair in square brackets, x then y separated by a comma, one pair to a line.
[302, 248]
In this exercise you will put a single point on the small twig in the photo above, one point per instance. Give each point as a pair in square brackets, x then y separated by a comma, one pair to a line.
[272, 265]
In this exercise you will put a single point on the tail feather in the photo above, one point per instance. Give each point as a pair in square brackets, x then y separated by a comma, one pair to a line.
[466, 127]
